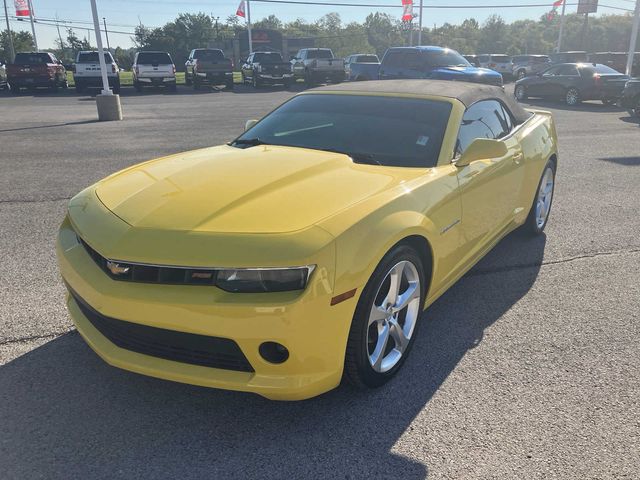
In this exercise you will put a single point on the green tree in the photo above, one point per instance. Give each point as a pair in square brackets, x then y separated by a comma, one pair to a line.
[22, 42]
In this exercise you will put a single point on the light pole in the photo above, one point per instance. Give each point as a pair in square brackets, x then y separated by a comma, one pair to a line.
[564, 5]
[108, 104]
[33, 27]
[634, 39]
[12, 52]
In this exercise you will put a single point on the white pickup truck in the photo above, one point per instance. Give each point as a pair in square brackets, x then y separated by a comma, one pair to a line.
[317, 65]
[153, 69]
[86, 71]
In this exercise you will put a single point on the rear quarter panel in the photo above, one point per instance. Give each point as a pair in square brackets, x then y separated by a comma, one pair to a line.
[539, 142]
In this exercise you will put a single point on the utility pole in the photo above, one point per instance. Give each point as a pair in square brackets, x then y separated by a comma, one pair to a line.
[106, 33]
[585, 37]
[420, 24]
[633, 40]
[559, 47]
[33, 28]
[12, 51]
[59, 35]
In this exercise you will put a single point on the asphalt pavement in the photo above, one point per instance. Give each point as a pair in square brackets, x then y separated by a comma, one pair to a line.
[527, 368]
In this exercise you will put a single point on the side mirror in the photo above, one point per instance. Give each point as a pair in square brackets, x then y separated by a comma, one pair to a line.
[249, 124]
[482, 149]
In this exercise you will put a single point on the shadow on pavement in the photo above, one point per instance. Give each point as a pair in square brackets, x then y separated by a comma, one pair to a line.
[627, 161]
[588, 106]
[66, 414]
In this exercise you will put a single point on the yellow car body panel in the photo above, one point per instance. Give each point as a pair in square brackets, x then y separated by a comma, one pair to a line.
[315, 208]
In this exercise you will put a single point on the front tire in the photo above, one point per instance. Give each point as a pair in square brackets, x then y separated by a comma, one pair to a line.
[521, 74]
[572, 97]
[385, 322]
[541, 207]
[521, 93]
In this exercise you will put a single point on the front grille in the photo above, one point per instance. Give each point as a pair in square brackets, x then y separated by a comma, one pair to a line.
[152, 274]
[182, 347]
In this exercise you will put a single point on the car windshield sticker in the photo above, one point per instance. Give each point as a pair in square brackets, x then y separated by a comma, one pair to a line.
[422, 140]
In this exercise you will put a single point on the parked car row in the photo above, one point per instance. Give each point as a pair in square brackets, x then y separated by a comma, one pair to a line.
[520, 66]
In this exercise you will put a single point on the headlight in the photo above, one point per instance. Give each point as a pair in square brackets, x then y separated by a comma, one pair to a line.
[257, 280]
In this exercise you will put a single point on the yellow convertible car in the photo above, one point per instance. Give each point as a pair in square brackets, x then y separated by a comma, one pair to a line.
[304, 251]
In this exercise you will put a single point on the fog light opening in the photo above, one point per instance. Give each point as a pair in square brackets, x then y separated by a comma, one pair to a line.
[274, 352]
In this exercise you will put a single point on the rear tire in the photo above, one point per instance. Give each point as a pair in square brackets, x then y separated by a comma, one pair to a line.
[542, 201]
[137, 86]
[572, 97]
[608, 101]
[382, 333]
[229, 85]
[79, 87]
[254, 81]
[187, 79]
[116, 87]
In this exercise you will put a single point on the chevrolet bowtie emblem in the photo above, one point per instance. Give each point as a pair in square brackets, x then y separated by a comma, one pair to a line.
[116, 268]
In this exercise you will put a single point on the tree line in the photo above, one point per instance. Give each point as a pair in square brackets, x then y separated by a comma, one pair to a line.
[378, 32]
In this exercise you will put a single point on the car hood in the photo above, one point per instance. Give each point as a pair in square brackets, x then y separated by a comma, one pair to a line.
[262, 189]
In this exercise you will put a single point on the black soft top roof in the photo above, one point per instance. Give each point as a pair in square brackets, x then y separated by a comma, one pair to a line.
[466, 92]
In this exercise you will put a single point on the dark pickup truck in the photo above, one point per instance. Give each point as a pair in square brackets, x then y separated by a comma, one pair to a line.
[266, 68]
[36, 69]
[425, 62]
[208, 65]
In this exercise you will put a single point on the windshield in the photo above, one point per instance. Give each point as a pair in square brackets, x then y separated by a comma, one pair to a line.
[500, 58]
[92, 57]
[33, 58]
[319, 54]
[445, 58]
[267, 58]
[154, 58]
[367, 59]
[390, 131]
[208, 55]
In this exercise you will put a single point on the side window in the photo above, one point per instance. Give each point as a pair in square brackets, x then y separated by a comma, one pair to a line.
[485, 119]
[393, 58]
[412, 60]
[552, 72]
[568, 70]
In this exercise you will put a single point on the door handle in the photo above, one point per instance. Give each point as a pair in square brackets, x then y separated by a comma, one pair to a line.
[517, 158]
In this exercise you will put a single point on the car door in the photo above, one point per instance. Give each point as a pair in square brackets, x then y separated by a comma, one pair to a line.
[392, 65]
[568, 76]
[489, 187]
[543, 85]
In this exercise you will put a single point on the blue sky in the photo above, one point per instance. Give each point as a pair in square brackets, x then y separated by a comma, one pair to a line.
[123, 15]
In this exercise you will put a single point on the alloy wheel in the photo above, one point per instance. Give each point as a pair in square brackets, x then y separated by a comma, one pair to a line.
[545, 196]
[520, 93]
[572, 97]
[393, 316]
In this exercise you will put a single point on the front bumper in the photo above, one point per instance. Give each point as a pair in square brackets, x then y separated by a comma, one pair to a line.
[314, 332]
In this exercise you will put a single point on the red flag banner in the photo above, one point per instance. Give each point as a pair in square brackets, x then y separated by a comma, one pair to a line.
[22, 8]
[241, 12]
[407, 10]
[557, 3]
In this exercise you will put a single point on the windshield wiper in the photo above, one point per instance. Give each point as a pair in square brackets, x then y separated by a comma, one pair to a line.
[250, 142]
[356, 157]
